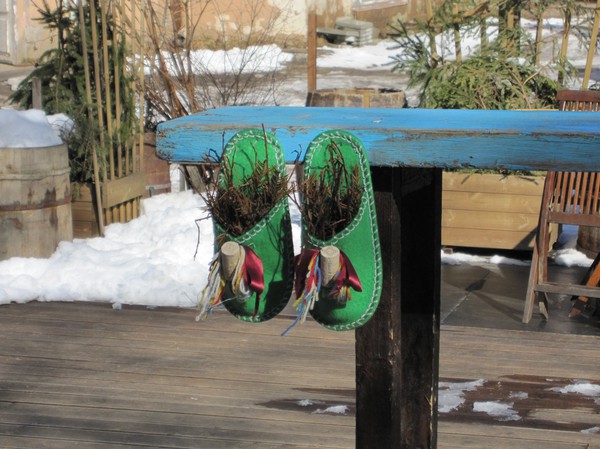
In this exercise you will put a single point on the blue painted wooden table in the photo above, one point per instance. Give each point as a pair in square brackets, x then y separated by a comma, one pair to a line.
[397, 352]
[404, 137]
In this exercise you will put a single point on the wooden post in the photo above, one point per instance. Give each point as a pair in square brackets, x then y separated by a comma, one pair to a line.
[592, 49]
[108, 110]
[538, 35]
[397, 351]
[89, 102]
[141, 80]
[312, 52]
[564, 44]
[432, 44]
[117, 72]
[36, 93]
[457, 42]
[483, 32]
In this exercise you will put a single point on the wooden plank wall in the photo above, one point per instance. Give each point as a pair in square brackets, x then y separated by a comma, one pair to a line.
[491, 210]
[83, 207]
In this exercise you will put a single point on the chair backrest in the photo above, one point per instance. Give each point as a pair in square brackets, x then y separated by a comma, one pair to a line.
[575, 197]
[578, 100]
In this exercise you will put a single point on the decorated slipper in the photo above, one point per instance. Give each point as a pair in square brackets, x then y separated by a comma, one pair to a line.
[252, 272]
[338, 273]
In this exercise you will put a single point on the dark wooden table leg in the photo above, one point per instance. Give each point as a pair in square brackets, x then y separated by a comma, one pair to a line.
[397, 352]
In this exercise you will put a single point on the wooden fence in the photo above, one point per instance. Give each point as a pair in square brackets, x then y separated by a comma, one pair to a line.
[110, 51]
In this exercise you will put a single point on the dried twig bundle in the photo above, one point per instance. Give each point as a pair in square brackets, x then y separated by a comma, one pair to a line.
[331, 198]
[239, 204]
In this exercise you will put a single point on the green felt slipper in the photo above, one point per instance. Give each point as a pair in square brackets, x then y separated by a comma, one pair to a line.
[252, 273]
[339, 273]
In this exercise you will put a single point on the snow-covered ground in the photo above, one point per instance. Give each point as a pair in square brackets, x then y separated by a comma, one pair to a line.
[158, 259]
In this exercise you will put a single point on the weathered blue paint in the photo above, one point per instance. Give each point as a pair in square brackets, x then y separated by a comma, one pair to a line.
[404, 137]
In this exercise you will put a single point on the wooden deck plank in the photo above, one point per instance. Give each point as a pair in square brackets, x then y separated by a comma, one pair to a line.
[144, 339]
[206, 429]
[466, 441]
[86, 376]
[108, 438]
[235, 419]
[19, 442]
[511, 437]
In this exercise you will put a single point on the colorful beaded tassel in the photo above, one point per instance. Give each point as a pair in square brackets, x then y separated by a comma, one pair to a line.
[310, 282]
[227, 284]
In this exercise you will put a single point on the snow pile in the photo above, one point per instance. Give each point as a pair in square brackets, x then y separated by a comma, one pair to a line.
[566, 256]
[368, 57]
[254, 59]
[26, 129]
[60, 123]
[471, 259]
[570, 257]
[148, 261]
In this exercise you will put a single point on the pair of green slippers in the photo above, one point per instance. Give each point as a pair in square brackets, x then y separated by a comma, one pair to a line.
[337, 277]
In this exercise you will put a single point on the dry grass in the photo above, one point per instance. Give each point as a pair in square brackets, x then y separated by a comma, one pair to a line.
[238, 205]
[331, 197]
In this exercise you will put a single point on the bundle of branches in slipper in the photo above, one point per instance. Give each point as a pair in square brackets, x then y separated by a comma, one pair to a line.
[239, 204]
[331, 197]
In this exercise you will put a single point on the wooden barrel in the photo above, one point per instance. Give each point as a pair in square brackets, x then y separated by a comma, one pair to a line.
[35, 203]
[588, 241]
[357, 98]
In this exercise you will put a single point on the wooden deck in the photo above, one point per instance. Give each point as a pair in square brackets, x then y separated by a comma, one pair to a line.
[77, 375]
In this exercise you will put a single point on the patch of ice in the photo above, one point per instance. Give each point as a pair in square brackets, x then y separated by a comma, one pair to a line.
[334, 410]
[500, 410]
[591, 430]
[518, 395]
[451, 395]
[583, 388]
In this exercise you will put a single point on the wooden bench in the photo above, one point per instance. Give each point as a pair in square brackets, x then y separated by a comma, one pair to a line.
[397, 352]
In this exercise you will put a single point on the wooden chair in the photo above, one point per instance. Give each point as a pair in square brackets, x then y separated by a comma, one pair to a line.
[569, 198]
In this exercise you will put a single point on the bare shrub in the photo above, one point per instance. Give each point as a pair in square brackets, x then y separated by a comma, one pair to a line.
[240, 68]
